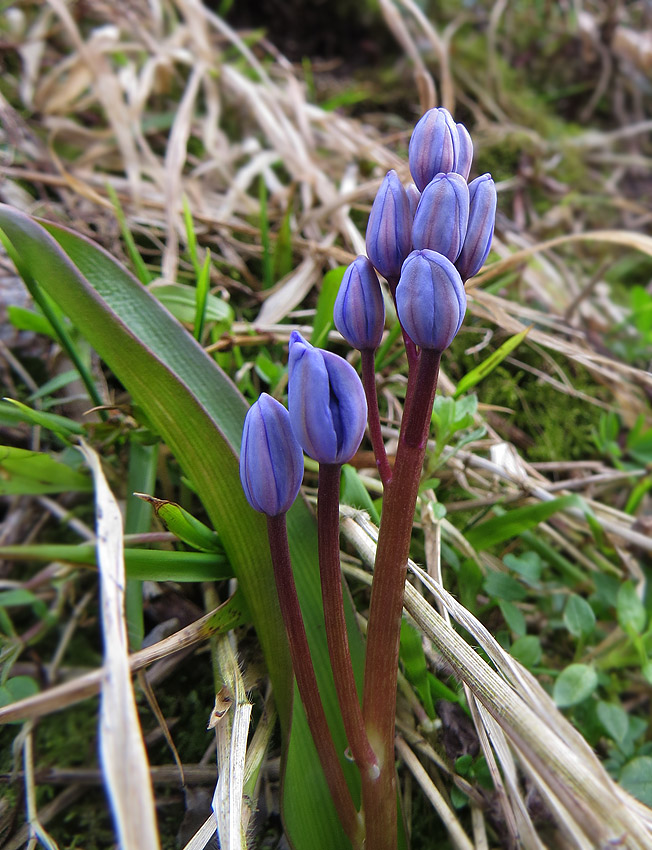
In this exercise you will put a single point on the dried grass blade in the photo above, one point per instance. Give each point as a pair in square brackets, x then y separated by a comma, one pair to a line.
[124, 760]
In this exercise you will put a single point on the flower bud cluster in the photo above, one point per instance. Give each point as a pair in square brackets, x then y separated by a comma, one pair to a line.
[436, 230]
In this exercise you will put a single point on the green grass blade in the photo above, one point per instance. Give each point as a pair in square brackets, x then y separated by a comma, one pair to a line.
[487, 366]
[26, 472]
[512, 523]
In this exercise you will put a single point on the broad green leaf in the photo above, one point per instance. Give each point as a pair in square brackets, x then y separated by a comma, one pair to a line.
[487, 366]
[511, 523]
[574, 684]
[17, 688]
[636, 777]
[528, 565]
[630, 609]
[579, 618]
[145, 564]
[614, 719]
[325, 303]
[28, 320]
[23, 471]
[199, 413]
[181, 301]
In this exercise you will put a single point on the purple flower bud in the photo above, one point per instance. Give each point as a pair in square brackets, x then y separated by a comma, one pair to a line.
[480, 231]
[389, 228]
[430, 299]
[271, 460]
[442, 216]
[327, 404]
[414, 196]
[464, 152]
[359, 311]
[433, 146]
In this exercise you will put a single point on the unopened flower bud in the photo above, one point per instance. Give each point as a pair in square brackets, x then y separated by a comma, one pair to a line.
[389, 229]
[359, 311]
[433, 146]
[271, 460]
[480, 230]
[464, 152]
[414, 196]
[430, 299]
[442, 216]
[327, 404]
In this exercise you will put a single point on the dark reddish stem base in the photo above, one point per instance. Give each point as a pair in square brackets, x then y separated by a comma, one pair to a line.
[381, 665]
[307, 681]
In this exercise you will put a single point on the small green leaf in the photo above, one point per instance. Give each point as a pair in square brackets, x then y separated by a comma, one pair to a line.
[59, 425]
[513, 617]
[415, 665]
[579, 618]
[503, 586]
[181, 301]
[325, 304]
[184, 525]
[17, 688]
[614, 719]
[511, 523]
[355, 494]
[28, 320]
[528, 565]
[26, 472]
[527, 650]
[574, 684]
[487, 366]
[630, 610]
[636, 777]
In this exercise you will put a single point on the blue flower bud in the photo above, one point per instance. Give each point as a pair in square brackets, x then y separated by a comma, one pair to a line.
[464, 152]
[480, 230]
[359, 311]
[389, 228]
[414, 196]
[433, 146]
[327, 404]
[430, 299]
[271, 460]
[442, 216]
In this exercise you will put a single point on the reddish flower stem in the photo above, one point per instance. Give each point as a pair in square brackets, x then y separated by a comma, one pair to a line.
[383, 632]
[373, 416]
[307, 681]
[328, 528]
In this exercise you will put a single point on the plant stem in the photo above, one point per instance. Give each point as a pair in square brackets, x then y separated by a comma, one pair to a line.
[328, 528]
[307, 681]
[373, 417]
[383, 633]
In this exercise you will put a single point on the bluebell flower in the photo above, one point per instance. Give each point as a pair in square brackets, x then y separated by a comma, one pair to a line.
[327, 404]
[389, 228]
[442, 216]
[271, 460]
[414, 196]
[433, 146]
[359, 311]
[430, 299]
[480, 230]
[464, 152]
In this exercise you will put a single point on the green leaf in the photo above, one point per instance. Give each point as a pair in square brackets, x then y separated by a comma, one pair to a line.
[574, 684]
[325, 303]
[28, 320]
[511, 523]
[636, 777]
[513, 617]
[59, 425]
[17, 688]
[579, 618]
[487, 366]
[614, 719]
[355, 494]
[26, 472]
[415, 665]
[199, 413]
[528, 565]
[144, 564]
[630, 609]
[503, 586]
[181, 301]
[527, 650]
[184, 525]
